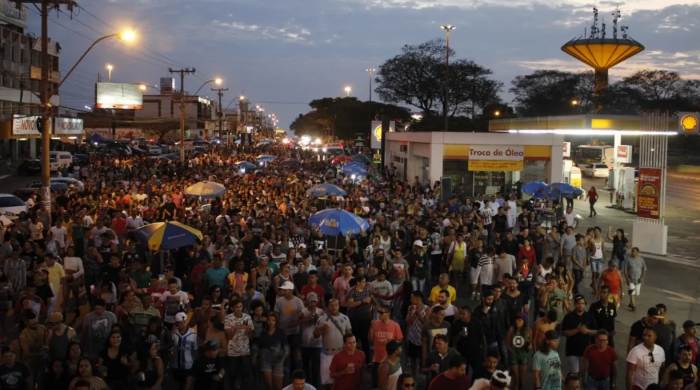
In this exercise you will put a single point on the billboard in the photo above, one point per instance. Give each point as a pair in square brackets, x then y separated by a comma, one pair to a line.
[122, 96]
[623, 154]
[649, 193]
[29, 126]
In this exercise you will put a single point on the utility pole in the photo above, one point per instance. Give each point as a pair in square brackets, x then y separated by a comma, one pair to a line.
[44, 124]
[220, 113]
[182, 73]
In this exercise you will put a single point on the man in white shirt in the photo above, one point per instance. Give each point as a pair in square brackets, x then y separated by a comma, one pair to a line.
[73, 267]
[331, 327]
[644, 362]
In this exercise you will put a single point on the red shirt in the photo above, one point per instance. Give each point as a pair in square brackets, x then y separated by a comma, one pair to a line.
[382, 333]
[442, 382]
[317, 289]
[530, 255]
[340, 362]
[599, 362]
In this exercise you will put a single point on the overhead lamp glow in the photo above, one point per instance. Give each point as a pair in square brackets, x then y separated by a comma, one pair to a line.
[128, 35]
[588, 132]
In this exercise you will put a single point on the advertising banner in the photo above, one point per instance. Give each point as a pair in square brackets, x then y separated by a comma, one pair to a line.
[376, 133]
[649, 193]
[499, 158]
[566, 149]
[68, 126]
[25, 125]
[119, 96]
[623, 154]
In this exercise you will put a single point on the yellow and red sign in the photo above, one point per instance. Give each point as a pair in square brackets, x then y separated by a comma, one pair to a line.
[649, 193]
[499, 158]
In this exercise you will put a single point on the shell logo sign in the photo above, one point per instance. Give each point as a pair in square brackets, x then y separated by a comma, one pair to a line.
[688, 122]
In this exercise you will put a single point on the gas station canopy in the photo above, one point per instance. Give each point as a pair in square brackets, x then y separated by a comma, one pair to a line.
[583, 125]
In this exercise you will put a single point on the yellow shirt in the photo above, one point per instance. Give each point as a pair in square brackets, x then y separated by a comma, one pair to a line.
[435, 291]
[56, 273]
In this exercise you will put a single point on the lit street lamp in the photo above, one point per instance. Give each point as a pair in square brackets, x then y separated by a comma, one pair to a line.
[370, 71]
[109, 67]
[128, 36]
[217, 81]
[347, 90]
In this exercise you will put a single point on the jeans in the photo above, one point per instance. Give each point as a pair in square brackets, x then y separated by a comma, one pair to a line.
[592, 384]
[578, 277]
[312, 365]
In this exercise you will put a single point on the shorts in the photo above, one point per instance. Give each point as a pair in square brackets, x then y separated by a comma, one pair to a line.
[520, 357]
[326, 360]
[474, 274]
[635, 288]
[272, 359]
[573, 363]
[597, 265]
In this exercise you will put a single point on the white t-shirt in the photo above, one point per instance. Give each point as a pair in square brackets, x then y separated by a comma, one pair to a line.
[647, 368]
[239, 343]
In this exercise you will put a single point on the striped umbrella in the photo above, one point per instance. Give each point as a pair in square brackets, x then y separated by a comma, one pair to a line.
[168, 235]
[206, 189]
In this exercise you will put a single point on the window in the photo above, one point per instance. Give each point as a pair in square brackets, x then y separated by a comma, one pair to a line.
[403, 148]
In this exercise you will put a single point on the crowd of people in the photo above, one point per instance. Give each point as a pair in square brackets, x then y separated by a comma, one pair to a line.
[441, 294]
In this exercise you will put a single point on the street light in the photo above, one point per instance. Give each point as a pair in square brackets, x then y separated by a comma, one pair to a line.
[447, 28]
[109, 67]
[127, 36]
[217, 81]
[497, 113]
[143, 87]
[347, 90]
[370, 71]
[574, 102]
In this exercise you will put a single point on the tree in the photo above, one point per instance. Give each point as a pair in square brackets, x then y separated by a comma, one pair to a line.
[345, 117]
[416, 77]
[655, 90]
[552, 92]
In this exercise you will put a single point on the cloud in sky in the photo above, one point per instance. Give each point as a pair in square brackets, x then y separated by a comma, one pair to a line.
[292, 51]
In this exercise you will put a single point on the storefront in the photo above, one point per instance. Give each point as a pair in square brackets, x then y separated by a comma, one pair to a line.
[475, 163]
[20, 138]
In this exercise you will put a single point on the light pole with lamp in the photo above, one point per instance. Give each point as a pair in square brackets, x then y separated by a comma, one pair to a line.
[447, 28]
[127, 36]
[347, 90]
[109, 68]
[182, 72]
[370, 71]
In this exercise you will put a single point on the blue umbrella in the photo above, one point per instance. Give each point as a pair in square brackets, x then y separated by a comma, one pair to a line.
[361, 158]
[338, 222]
[325, 189]
[546, 193]
[355, 163]
[168, 235]
[354, 169]
[533, 186]
[246, 166]
[566, 189]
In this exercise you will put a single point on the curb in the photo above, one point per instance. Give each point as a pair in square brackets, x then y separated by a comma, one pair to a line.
[669, 258]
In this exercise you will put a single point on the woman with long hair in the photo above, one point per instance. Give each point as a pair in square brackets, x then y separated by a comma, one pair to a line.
[592, 198]
[151, 369]
[86, 374]
[406, 381]
[115, 362]
[273, 353]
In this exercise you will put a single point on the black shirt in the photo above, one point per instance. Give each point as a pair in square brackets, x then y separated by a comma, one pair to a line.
[15, 377]
[604, 314]
[576, 344]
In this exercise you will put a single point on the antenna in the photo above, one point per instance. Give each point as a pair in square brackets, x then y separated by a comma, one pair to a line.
[594, 27]
[603, 29]
[616, 17]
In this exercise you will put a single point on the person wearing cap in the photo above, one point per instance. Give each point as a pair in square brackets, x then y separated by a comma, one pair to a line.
[578, 326]
[417, 262]
[651, 320]
[546, 364]
[331, 327]
[687, 339]
[500, 380]
[311, 344]
[184, 350]
[289, 309]
[59, 336]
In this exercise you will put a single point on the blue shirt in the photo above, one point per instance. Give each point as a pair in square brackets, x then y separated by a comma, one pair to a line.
[216, 276]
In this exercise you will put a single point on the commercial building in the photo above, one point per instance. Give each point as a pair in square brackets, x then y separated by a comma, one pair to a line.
[474, 163]
[20, 75]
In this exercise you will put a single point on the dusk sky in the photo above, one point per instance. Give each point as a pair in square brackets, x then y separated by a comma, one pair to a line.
[285, 53]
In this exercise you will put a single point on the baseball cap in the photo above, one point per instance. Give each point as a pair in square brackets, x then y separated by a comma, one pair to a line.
[418, 243]
[653, 312]
[312, 297]
[287, 285]
[500, 379]
[180, 317]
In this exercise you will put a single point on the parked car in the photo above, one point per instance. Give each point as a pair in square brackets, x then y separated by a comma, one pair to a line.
[154, 150]
[12, 205]
[55, 186]
[69, 181]
[79, 158]
[29, 167]
[63, 159]
[25, 193]
[595, 170]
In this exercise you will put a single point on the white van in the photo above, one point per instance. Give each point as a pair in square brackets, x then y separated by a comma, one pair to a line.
[63, 159]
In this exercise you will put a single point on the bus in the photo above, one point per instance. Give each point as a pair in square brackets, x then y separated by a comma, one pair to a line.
[594, 154]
